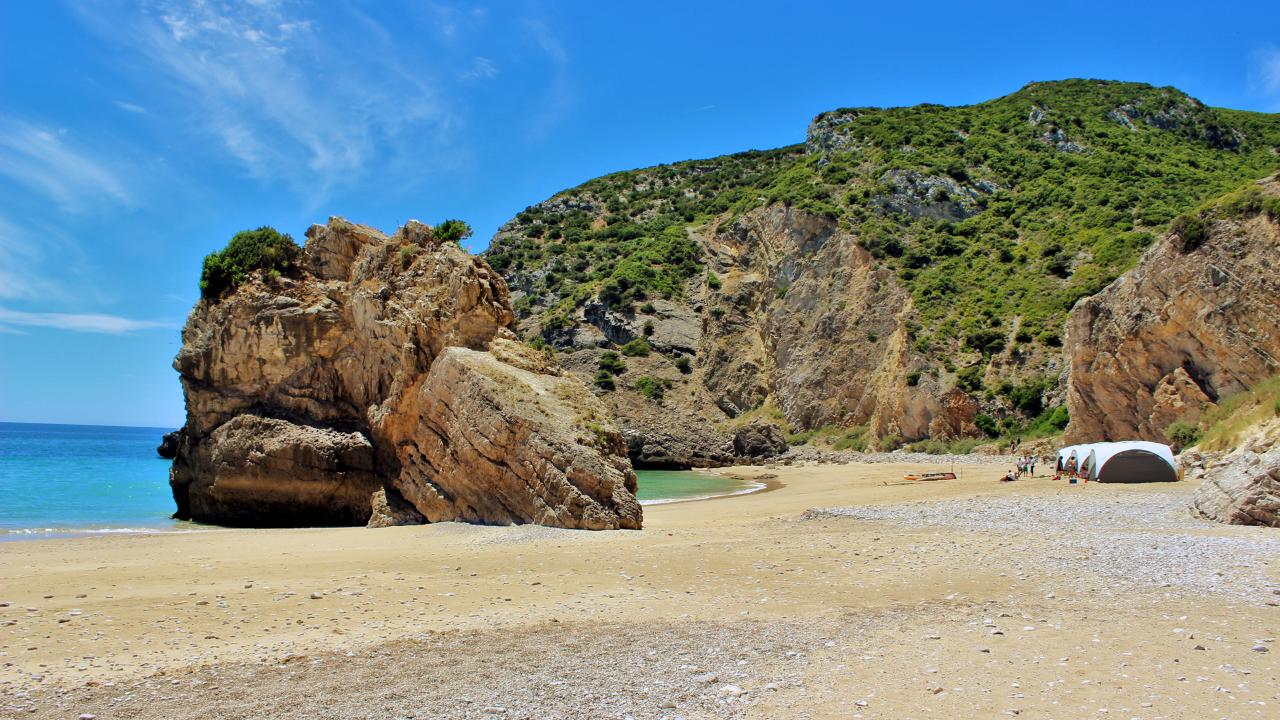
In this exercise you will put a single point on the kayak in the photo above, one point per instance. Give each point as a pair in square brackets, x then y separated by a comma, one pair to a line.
[930, 476]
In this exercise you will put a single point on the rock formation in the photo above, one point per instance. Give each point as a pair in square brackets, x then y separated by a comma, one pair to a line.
[1241, 487]
[379, 384]
[1193, 322]
[899, 275]
[759, 440]
[168, 447]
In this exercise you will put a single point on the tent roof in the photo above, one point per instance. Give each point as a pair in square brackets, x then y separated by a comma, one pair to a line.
[1100, 453]
[1079, 451]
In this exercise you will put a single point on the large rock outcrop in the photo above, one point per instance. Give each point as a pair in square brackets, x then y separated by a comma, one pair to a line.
[1193, 322]
[366, 380]
[1241, 487]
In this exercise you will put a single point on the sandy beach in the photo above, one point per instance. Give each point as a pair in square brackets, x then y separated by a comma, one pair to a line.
[841, 592]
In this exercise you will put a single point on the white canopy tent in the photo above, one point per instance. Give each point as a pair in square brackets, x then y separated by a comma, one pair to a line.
[1066, 453]
[1078, 453]
[1129, 461]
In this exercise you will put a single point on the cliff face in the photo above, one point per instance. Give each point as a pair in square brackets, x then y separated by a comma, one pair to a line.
[313, 398]
[1196, 320]
[900, 275]
[805, 318]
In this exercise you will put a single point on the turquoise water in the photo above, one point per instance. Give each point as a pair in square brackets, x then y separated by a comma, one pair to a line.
[74, 478]
[58, 480]
[656, 486]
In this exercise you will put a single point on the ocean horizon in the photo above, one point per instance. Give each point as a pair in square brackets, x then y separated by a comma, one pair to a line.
[69, 480]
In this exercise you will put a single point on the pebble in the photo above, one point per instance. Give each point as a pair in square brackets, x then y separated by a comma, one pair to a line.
[316, 596]
[1260, 648]
[732, 691]
[88, 716]
[706, 679]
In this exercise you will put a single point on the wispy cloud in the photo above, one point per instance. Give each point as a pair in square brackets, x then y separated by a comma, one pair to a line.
[52, 164]
[130, 107]
[78, 322]
[559, 97]
[284, 99]
[1264, 75]
[481, 69]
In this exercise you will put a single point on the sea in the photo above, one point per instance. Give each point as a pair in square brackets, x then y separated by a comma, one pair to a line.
[76, 480]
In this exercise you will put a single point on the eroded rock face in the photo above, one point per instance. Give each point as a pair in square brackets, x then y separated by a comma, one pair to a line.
[1182, 329]
[759, 440]
[483, 441]
[1242, 488]
[304, 394]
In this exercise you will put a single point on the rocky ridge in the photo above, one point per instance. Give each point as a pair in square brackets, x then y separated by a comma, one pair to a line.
[1193, 322]
[904, 273]
[1241, 487]
[381, 383]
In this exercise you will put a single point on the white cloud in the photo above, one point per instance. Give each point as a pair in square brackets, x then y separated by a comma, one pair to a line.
[482, 68]
[1264, 74]
[45, 161]
[283, 99]
[130, 107]
[78, 322]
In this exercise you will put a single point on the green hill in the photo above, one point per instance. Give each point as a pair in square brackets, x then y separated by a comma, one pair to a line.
[995, 217]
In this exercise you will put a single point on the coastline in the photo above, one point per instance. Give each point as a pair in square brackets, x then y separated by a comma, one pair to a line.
[817, 605]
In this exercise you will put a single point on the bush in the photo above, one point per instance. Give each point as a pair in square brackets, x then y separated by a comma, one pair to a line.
[636, 348]
[650, 386]
[1190, 232]
[713, 281]
[682, 364]
[248, 250]
[611, 363]
[604, 380]
[970, 379]
[648, 328]
[987, 425]
[1182, 434]
[452, 231]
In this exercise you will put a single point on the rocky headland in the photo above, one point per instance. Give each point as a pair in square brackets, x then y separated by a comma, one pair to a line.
[376, 380]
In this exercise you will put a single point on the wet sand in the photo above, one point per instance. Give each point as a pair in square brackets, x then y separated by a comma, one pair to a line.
[842, 592]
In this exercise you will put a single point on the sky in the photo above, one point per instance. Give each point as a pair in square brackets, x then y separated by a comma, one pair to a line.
[137, 137]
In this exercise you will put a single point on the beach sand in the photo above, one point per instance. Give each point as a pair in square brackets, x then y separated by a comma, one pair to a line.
[966, 598]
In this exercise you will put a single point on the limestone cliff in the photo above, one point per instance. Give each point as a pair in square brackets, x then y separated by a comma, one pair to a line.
[903, 274]
[366, 379]
[1196, 320]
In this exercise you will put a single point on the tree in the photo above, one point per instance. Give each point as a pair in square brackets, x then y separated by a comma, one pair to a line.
[248, 250]
[453, 231]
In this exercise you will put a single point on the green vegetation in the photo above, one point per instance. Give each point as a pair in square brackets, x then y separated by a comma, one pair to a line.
[636, 348]
[1182, 434]
[454, 231]
[995, 217]
[604, 380]
[1222, 427]
[683, 364]
[611, 363]
[651, 387]
[249, 250]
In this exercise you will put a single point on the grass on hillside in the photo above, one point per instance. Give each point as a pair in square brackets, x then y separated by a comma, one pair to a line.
[1224, 425]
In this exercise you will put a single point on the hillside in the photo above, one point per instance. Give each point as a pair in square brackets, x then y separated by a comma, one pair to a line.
[903, 274]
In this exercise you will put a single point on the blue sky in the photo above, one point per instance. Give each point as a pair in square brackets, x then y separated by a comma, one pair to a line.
[136, 137]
